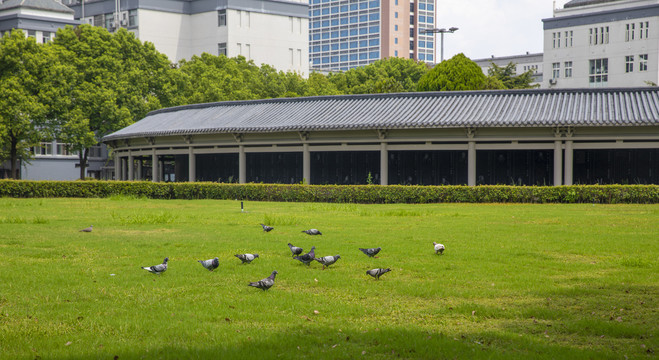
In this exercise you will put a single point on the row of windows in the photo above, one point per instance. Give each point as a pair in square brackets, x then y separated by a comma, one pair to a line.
[600, 35]
[343, 8]
[345, 20]
[344, 33]
[61, 149]
[345, 45]
[599, 68]
[343, 58]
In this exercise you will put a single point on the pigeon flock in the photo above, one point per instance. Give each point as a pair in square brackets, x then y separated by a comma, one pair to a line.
[307, 259]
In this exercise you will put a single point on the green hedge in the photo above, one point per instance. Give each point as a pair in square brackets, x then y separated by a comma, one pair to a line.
[365, 194]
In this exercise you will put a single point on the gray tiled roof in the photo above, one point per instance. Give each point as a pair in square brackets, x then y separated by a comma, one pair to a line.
[50, 5]
[513, 108]
[575, 3]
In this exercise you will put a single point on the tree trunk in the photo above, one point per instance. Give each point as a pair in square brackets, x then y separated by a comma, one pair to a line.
[83, 162]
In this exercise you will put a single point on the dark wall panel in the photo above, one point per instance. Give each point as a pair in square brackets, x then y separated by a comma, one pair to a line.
[217, 167]
[345, 167]
[428, 167]
[274, 168]
[515, 167]
[616, 166]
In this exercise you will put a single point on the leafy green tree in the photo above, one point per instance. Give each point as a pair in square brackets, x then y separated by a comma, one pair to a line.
[318, 84]
[22, 112]
[456, 74]
[383, 76]
[105, 82]
[506, 75]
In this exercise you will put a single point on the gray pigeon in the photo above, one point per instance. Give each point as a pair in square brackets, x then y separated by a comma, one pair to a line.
[371, 252]
[157, 269]
[328, 260]
[266, 228]
[307, 258]
[439, 248]
[246, 258]
[266, 283]
[376, 273]
[294, 249]
[88, 229]
[312, 232]
[210, 264]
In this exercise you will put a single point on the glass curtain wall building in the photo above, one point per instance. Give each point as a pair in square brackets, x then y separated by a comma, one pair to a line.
[344, 34]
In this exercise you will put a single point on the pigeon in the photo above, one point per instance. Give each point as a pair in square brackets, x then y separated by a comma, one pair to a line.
[371, 252]
[328, 260]
[210, 264]
[266, 228]
[294, 249]
[246, 258]
[88, 229]
[312, 232]
[439, 248]
[376, 273]
[307, 258]
[266, 283]
[157, 269]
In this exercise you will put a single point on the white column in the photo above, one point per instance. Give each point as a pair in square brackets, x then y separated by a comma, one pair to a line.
[569, 162]
[155, 171]
[306, 163]
[471, 164]
[558, 162]
[139, 169]
[192, 165]
[131, 164]
[384, 164]
[242, 165]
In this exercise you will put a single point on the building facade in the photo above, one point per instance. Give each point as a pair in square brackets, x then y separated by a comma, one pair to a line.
[39, 19]
[346, 34]
[523, 63]
[273, 32]
[521, 137]
[602, 43]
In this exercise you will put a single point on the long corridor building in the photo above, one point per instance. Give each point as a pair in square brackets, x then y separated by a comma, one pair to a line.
[522, 137]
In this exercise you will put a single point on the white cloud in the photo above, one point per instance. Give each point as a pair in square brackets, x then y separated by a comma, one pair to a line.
[493, 27]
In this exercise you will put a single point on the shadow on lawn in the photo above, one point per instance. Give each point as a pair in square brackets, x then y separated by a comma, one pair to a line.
[311, 343]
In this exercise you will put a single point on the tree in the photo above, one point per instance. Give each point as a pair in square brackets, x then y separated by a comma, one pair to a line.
[383, 76]
[105, 82]
[21, 110]
[506, 75]
[457, 74]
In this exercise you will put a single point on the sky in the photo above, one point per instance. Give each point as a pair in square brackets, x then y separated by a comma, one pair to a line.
[493, 27]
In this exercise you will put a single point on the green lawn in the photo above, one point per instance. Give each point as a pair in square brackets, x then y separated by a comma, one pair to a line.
[515, 281]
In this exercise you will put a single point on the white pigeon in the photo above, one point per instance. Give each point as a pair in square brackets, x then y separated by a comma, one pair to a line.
[312, 232]
[157, 269]
[439, 248]
[266, 228]
[210, 264]
[328, 260]
[87, 229]
[266, 283]
[246, 258]
[376, 273]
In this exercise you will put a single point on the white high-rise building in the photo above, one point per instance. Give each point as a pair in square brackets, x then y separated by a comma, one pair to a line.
[602, 43]
[274, 32]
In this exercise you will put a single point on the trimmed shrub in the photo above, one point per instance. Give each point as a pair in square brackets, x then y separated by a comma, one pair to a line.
[362, 194]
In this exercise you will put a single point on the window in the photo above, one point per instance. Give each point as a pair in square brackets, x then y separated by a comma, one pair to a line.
[32, 34]
[629, 64]
[222, 49]
[396, 14]
[396, 53]
[568, 38]
[45, 148]
[643, 62]
[395, 27]
[395, 40]
[411, 19]
[411, 44]
[568, 69]
[599, 72]
[643, 29]
[45, 36]
[598, 36]
[221, 18]
[132, 18]
[558, 41]
[629, 32]
[556, 70]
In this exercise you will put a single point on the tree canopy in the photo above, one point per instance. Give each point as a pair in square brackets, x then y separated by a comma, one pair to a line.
[506, 76]
[456, 74]
[383, 76]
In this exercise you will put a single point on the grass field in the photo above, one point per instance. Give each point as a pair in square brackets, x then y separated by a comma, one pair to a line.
[515, 281]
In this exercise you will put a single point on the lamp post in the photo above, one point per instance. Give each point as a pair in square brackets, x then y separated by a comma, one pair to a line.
[441, 31]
